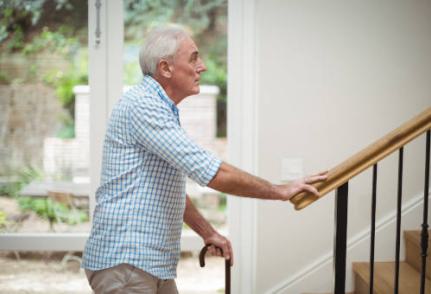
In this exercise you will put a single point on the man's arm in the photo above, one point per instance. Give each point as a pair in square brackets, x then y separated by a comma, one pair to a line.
[197, 222]
[234, 181]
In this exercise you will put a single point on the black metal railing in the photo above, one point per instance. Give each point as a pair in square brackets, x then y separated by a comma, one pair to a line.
[424, 233]
[340, 244]
[398, 231]
[341, 217]
[373, 227]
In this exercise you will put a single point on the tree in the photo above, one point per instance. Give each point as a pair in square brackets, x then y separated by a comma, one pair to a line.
[22, 20]
[60, 26]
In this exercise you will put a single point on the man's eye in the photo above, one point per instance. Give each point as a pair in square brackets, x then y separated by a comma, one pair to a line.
[194, 58]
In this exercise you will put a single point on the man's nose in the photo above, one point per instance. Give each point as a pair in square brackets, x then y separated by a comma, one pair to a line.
[201, 66]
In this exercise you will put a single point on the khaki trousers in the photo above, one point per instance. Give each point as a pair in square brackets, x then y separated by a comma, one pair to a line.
[125, 278]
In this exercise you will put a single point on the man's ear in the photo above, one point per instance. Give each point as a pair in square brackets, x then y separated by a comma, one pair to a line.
[165, 69]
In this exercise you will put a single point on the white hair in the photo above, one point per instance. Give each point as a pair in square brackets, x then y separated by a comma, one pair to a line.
[161, 43]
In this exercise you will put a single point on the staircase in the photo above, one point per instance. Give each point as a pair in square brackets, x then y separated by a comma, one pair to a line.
[407, 273]
[384, 272]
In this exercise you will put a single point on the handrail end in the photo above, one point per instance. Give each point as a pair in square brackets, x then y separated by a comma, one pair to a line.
[302, 200]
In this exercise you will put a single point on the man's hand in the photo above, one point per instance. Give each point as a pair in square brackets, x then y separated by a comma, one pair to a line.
[195, 220]
[232, 180]
[287, 191]
[221, 242]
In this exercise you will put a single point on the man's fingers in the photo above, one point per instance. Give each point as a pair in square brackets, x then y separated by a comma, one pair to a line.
[231, 254]
[214, 251]
[218, 251]
[222, 249]
[316, 178]
[311, 189]
[211, 250]
[228, 252]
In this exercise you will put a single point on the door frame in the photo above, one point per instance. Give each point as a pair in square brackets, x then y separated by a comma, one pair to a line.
[242, 121]
[105, 53]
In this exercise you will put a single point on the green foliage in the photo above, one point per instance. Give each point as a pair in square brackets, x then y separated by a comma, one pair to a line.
[195, 14]
[52, 210]
[20, 20]
[16, 40]
[47, 209]
[132, 73]
[63, 82]
[67, 131]
[48, 26]
[58, 41]
[25, 176]
[14, 15]
[30, 28]
[215, 75]
[206, 19]
[4, 78]
[3, 220]
[60, 26]
[39, 206]
[223, 202]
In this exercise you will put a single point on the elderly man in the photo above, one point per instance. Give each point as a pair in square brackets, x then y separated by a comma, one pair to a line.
[134, 245]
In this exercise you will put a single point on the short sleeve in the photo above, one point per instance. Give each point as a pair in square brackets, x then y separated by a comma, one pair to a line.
[155, 128]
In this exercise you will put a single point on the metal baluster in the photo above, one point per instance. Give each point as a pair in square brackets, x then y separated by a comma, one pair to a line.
[373, 227]
[424, 234]
[398, 238]
[340, 244]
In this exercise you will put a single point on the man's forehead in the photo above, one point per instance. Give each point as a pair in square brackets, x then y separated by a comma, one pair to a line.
[188, 46]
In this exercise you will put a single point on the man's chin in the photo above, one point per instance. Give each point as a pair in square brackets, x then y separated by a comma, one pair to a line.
[196, 90]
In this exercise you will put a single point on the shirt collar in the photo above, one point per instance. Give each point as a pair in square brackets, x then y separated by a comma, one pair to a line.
[154, 85]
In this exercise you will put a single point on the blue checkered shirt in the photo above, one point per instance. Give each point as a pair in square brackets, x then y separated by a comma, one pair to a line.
[141, 200]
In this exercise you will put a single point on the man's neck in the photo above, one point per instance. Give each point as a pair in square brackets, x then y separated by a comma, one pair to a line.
[172, 94]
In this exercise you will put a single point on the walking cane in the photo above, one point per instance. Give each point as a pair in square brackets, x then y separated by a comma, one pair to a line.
[227, 267]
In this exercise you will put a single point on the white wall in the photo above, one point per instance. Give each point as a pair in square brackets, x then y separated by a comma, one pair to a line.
[333, 76]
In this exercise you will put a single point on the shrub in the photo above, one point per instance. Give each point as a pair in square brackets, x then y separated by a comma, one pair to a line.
[25, 176]
[52, 210]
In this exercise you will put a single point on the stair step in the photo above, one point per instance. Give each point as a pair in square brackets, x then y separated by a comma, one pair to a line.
[413, 251]
[328, 293]
[384, 273]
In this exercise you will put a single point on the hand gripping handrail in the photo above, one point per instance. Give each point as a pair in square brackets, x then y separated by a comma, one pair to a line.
[369, 156]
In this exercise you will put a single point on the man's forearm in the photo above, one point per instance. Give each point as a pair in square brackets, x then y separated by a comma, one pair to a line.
[232, 180]
[196, 221]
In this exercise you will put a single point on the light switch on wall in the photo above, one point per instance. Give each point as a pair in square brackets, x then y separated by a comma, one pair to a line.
[291, 169]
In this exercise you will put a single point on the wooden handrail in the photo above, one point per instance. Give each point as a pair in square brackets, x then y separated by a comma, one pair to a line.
[367, 157]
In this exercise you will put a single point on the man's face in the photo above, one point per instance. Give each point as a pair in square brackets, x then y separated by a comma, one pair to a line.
[187, 69]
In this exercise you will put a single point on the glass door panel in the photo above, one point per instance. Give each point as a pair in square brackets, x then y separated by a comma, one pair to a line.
[44, 117]
[203, 116]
